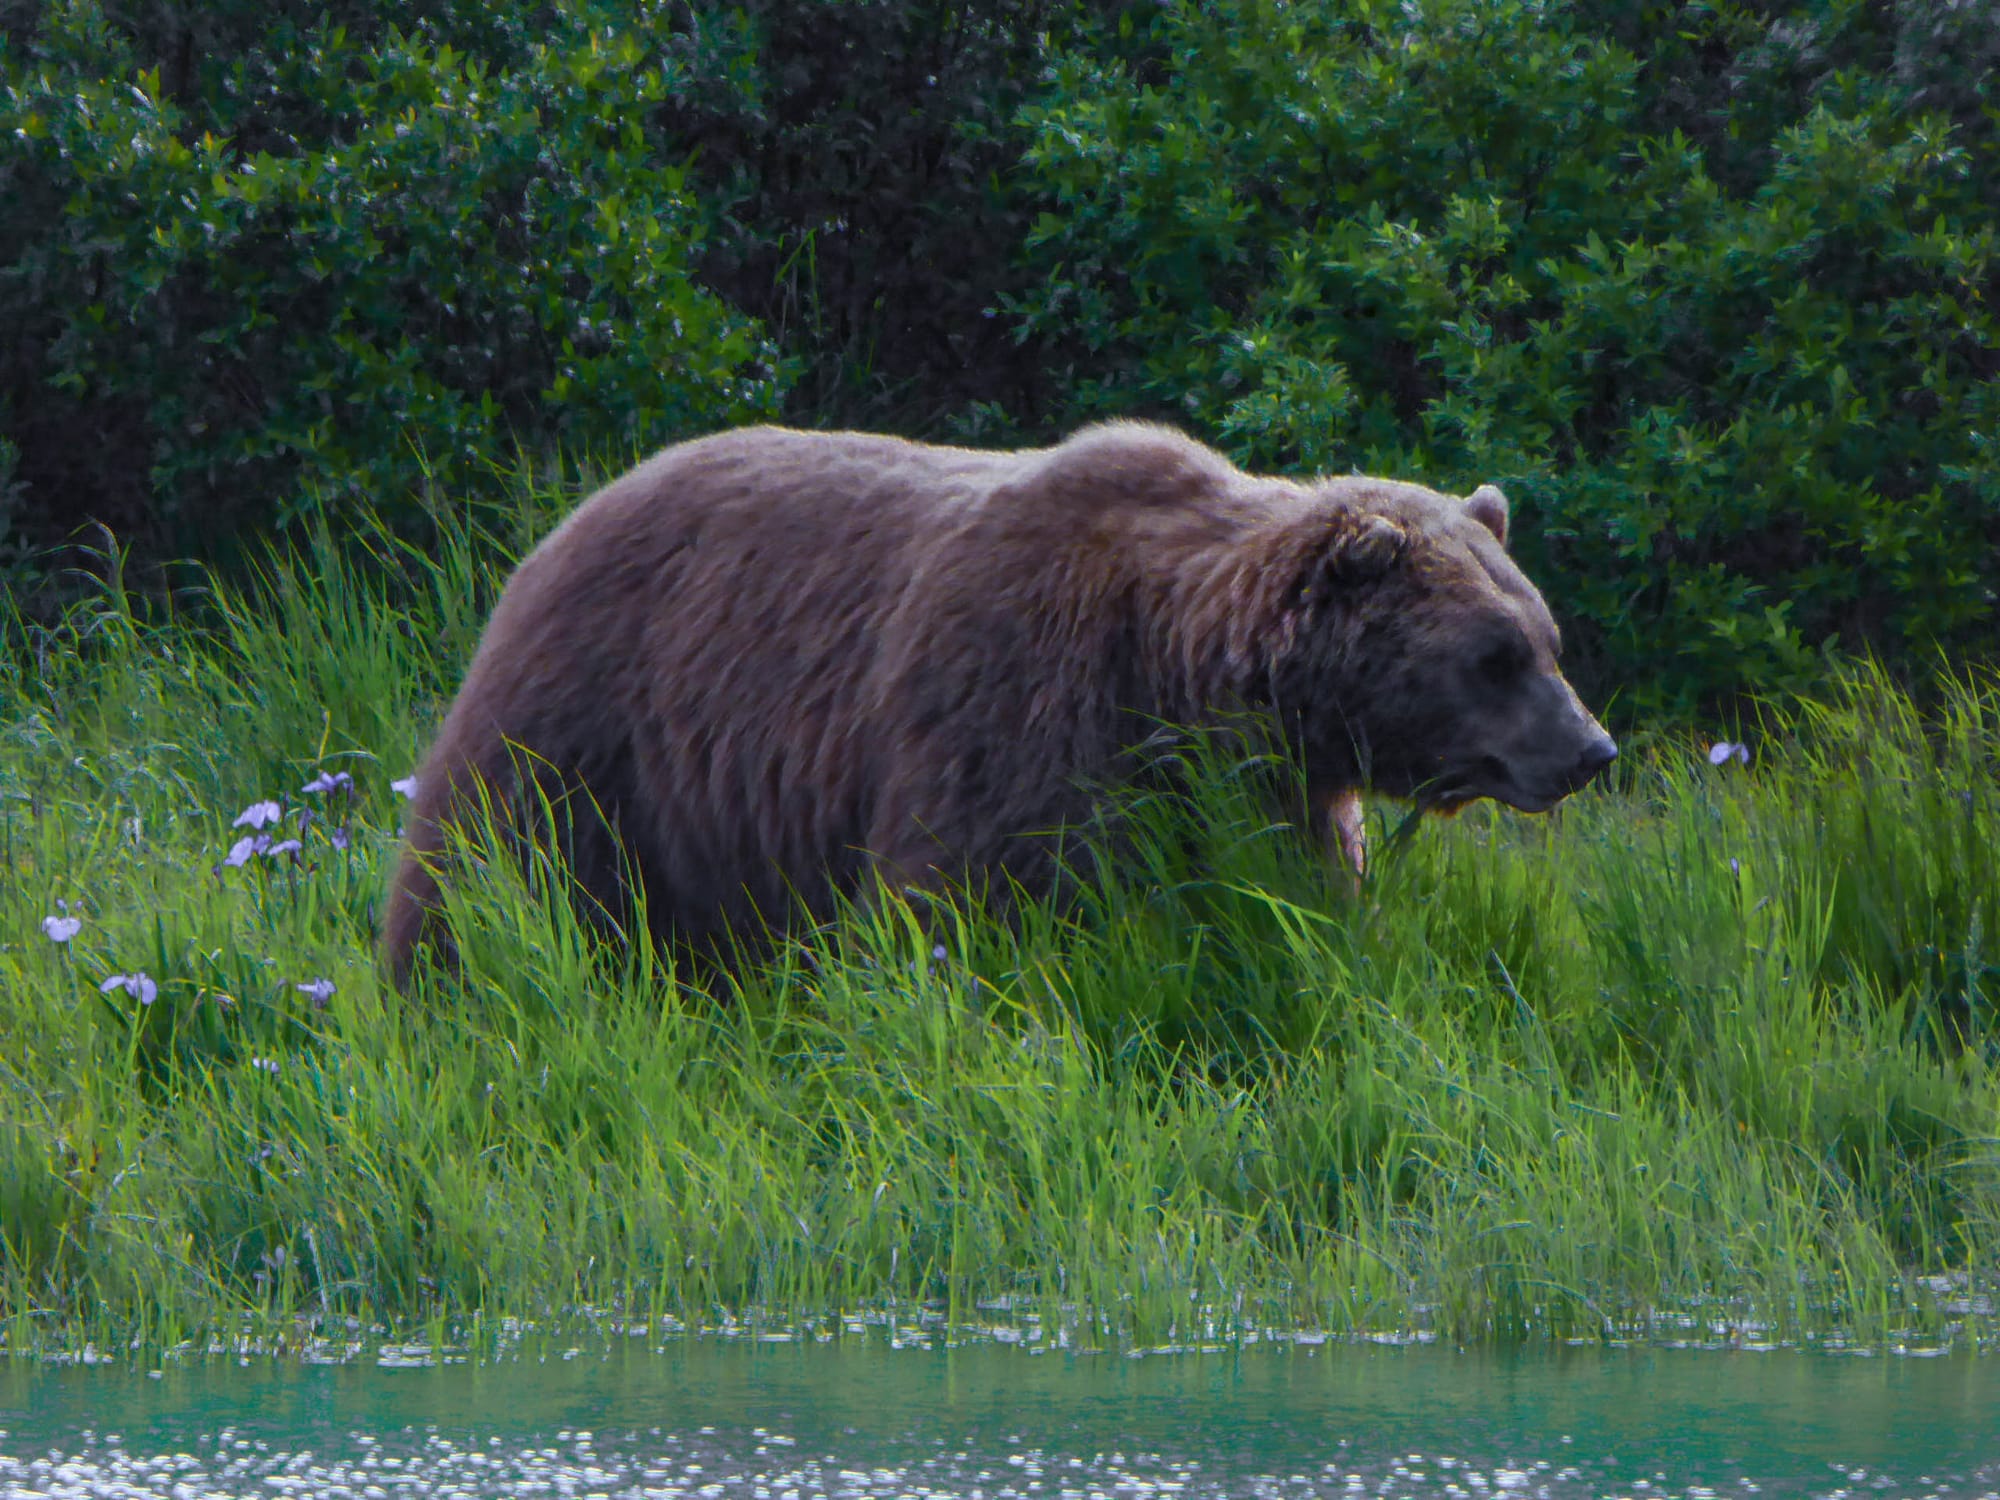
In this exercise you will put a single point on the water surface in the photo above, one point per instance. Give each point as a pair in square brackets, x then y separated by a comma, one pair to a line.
[732, 1418]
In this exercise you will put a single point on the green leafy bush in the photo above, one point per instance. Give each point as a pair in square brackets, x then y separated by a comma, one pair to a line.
[399, 260]
[1741, 379]
[861, 160]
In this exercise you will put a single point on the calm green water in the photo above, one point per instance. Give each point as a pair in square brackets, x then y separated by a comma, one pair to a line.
[728, 1419]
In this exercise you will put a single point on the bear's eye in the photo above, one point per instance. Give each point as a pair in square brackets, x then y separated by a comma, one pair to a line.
[1504, 660]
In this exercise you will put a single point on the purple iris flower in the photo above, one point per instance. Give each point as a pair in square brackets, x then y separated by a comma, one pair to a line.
[246, 849]
[258, 815]
[139, 986]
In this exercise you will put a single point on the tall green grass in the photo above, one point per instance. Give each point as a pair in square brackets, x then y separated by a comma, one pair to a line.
[1709, 1054]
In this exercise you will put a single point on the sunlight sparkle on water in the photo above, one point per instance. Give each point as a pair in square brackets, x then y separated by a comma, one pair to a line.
[760, 1464]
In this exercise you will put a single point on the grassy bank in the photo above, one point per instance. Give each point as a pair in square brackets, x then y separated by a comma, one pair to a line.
[1714, 1043]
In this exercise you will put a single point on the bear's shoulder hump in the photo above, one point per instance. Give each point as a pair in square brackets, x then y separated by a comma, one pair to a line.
[1141, 464]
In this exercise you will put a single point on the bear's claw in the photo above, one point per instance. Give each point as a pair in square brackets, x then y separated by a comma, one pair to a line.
[1347, 832]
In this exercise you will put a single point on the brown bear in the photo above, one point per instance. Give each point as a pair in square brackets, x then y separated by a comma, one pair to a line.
[764, 666]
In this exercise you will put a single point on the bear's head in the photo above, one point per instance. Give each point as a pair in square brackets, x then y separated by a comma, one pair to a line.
[1413, 657]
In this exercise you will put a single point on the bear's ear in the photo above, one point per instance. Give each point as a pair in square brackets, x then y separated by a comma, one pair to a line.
[1359, 549]
[1488, 507]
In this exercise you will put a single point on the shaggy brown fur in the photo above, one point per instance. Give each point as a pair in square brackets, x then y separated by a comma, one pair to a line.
[773, 659]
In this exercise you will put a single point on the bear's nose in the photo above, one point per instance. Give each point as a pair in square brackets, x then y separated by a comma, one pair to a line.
[1598, 754]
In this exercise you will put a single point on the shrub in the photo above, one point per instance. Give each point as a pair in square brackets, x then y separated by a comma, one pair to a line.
[861, 160]
[1739, 377]
[397, 260]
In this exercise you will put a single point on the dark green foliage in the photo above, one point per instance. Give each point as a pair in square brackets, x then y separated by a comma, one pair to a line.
[232, 226]
[1739, 370]
[861, 160]
[355, 263]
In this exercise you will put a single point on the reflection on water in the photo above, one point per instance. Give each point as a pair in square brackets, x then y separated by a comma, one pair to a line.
[726, 1419]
